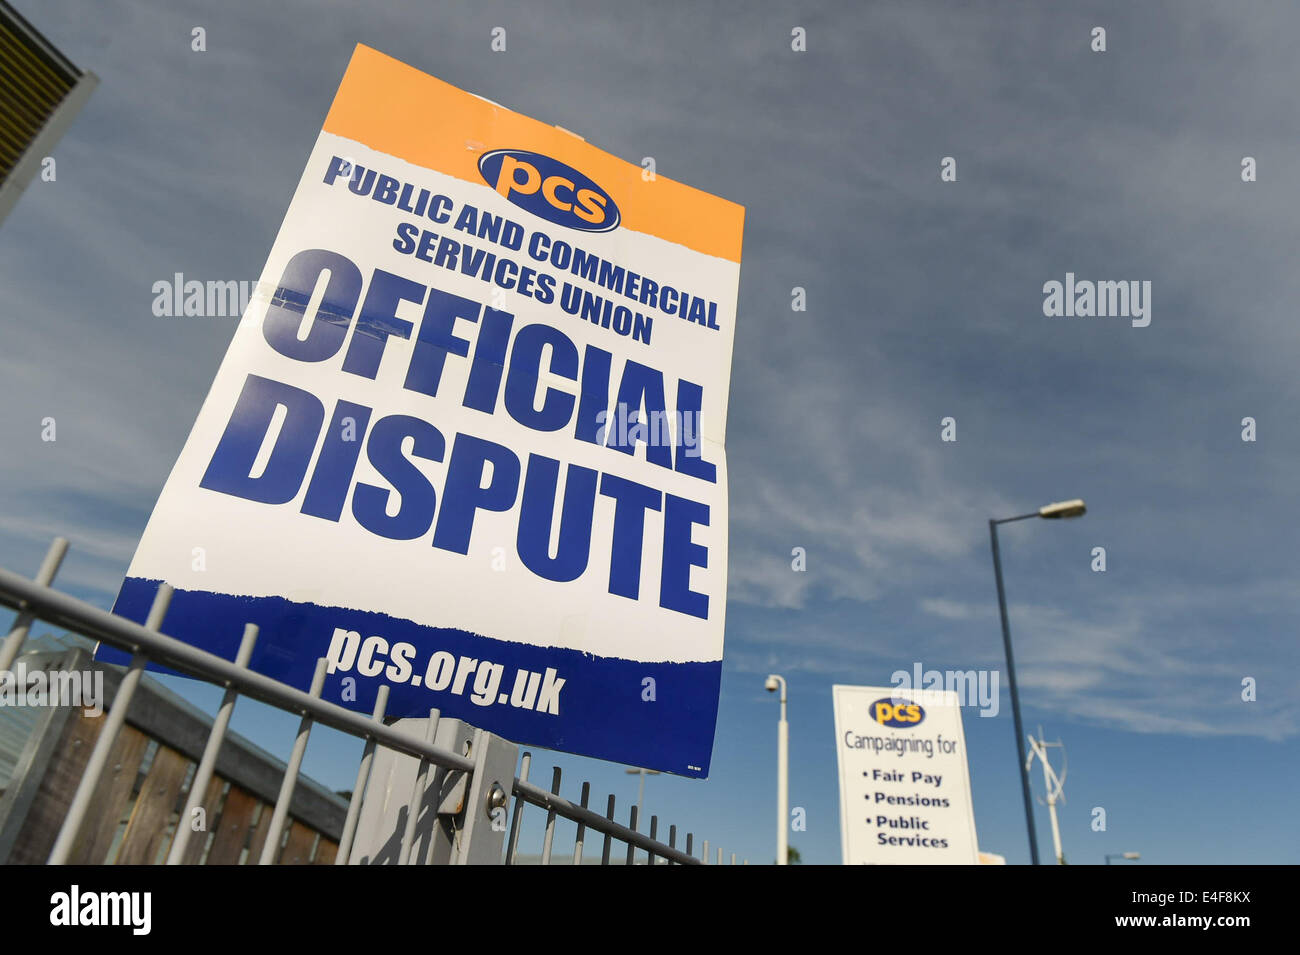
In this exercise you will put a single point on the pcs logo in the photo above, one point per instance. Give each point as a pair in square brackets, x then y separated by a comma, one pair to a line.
[899, 715]
[548, 188]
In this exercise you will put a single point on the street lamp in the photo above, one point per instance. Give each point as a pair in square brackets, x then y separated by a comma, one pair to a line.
[640, 790]
[772, 683]
[1061, 509]
[1122, 855]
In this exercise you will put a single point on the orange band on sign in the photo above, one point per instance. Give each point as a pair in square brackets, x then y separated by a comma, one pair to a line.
[396, 109]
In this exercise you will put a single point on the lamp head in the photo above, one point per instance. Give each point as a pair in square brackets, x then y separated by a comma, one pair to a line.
[770, 684]
[1072, 508]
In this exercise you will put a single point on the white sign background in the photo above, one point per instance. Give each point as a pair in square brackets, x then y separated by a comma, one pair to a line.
[894, 781]
[631, 677]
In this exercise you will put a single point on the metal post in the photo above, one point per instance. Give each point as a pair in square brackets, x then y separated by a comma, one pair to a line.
[609, 814]
[202, 775]
[654, 834]
[393, 781]
[480, 841]
[550, 818]
[631, 849]
[513, 843]
[782, 785]
[450, 790]
[582, 828]
[45, 576]
[1015, 697]
[418, 791]
[107, 736]
[271, 848]
[640, 794]
[363, 777]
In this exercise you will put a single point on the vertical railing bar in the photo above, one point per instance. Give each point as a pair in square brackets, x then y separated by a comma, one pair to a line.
[22, 623]
[706, 852]
[363, 777]
[719, 855]
[609, 814]
[208, 762]
[550, 818]
[690, 844]
[654, 834]
[513, 842]
[672, 841]
[107, 736]
[271, 848]
[631, 848]
[733, 858]
[440, 774]
[582, 827]
[417, 793]
[439, 777]
[479, 750]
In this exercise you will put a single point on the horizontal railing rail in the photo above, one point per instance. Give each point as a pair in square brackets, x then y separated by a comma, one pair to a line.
[36, 599]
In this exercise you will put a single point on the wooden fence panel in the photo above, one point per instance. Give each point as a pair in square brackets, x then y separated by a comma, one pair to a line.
[259, 834]
[326, 852]
[149, 831]
[57, 787]
[112, 796]
[297, 850]
[199, 840]
[53, 761]
[232, 831]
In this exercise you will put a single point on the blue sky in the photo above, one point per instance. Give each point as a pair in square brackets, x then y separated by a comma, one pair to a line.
[924, 301]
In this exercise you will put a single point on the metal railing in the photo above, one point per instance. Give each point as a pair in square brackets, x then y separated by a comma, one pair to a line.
[468, 796]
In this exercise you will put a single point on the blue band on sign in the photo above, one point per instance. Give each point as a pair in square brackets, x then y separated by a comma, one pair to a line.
[544, 696]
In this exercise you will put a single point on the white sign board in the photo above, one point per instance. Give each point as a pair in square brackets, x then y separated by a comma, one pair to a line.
[904, 783]
[468, 440]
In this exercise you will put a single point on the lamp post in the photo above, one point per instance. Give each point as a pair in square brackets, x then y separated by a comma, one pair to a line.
[1062, 509]
[640, 789]
[772, 683]
[1122, 855]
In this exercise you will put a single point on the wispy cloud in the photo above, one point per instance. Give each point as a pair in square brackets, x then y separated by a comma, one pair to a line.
[924, 301]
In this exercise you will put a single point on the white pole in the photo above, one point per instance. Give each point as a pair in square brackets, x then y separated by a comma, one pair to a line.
[1040, 749]
[640, 796]
[782, 784]
[1051, 810]
[1056, 833]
